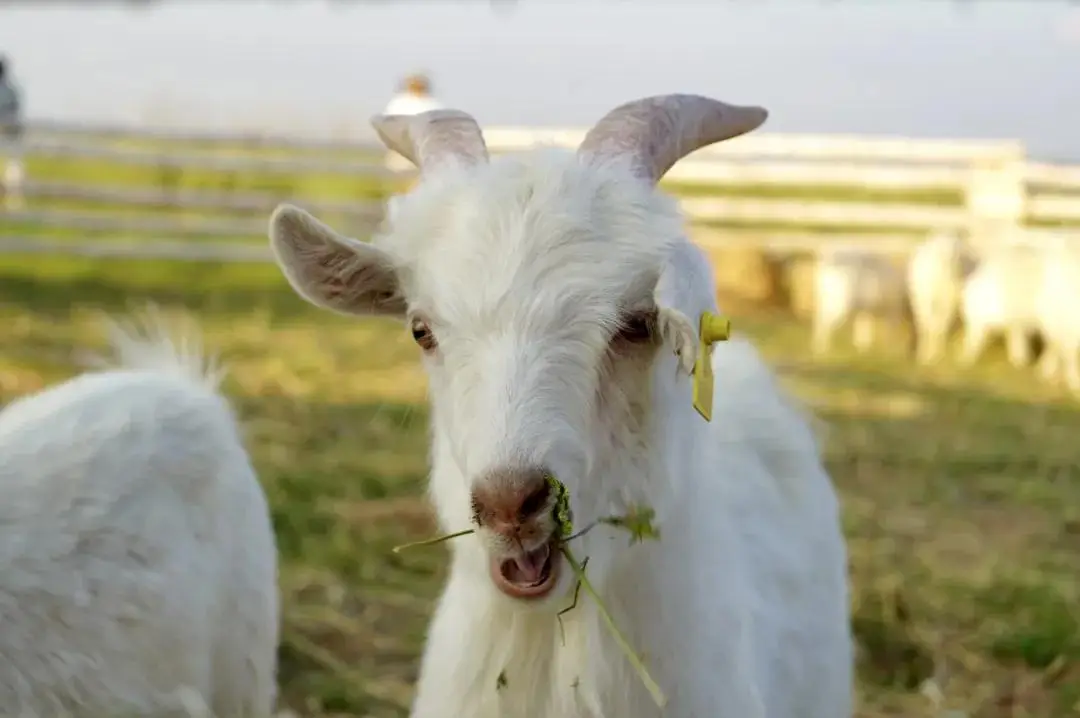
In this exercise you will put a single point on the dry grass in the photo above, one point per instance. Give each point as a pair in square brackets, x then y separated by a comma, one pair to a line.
[960, 489]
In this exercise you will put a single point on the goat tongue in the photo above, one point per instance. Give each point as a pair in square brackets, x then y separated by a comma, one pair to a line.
[530, 565]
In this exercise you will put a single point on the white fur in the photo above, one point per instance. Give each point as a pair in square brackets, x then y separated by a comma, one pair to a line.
[1000, 296]
[521, 267]
[858, 285]
[1055, 305]
[936, 273]
[137, 559]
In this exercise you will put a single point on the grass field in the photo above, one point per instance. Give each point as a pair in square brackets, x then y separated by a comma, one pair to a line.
[961, 490]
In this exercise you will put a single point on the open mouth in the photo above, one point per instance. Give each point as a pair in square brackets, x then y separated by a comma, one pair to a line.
[531, 574]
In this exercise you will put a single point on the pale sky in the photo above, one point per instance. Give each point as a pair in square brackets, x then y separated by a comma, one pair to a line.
[994, 69]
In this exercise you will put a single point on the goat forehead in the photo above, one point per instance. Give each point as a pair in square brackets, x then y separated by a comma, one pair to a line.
[547, 295]
[542, 236]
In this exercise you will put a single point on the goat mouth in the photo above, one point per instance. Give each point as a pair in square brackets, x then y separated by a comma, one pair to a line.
[530, 574]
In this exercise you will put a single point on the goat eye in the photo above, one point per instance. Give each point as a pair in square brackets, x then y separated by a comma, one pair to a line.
[637, 327]
[423, 335]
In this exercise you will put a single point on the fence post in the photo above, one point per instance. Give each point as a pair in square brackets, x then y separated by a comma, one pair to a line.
[996, 197]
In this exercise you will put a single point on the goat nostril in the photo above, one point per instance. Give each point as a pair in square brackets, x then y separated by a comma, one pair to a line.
[535, 501]
[510, 497]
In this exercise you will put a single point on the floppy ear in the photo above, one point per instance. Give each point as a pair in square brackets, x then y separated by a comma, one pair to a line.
[331, 271]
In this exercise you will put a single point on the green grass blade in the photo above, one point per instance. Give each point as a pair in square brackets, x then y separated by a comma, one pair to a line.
[431, 541]
[639, 666]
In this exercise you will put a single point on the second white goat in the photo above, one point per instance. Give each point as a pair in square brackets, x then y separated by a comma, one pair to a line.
[1058, 321]
[936, 273]
[138, 572]
[860, 286]
[1000, 297]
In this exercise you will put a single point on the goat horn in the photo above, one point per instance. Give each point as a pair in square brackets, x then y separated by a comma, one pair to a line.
[656, 132]
[431, 137]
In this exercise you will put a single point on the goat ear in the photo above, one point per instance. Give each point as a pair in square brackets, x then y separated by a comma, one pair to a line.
[332, 271]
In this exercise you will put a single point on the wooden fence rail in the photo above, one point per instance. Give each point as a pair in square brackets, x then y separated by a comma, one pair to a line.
[94, 185]
[103, 133]
[194, 200]
[204, 161]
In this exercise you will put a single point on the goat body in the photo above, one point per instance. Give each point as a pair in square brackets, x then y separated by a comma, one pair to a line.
[1000, 296]
[137, 560]
[573, 358]
[936, 273]
[858, 285]
[1056, 301]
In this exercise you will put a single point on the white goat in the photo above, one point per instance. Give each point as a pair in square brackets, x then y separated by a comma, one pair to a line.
[859, 285]
[1055, 305]
[137, 560]
[936, 272]
[1000, 296]
[555, 298]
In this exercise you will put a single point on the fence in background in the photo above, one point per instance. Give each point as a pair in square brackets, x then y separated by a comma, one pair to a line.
[120, 192]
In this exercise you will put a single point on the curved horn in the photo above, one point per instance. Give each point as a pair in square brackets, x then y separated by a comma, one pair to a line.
[656, 132]
[431, 137]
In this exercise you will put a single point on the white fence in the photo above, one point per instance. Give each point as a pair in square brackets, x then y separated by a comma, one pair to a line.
[108, 190]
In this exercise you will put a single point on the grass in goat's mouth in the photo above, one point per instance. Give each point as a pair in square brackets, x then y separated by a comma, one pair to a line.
[638, 522]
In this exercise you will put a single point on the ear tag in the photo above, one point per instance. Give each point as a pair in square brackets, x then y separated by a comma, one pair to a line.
[713, 328]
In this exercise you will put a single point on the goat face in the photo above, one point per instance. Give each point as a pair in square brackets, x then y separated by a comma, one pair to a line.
[528, 285]
[539, 289]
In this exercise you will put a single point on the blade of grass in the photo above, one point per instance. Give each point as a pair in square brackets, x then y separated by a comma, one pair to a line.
[639, 666]
[431, 541]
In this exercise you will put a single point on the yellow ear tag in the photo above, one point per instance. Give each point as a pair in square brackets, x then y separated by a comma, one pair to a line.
[713, 328]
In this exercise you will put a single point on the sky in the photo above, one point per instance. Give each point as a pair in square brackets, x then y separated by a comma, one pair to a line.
[934, 69]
